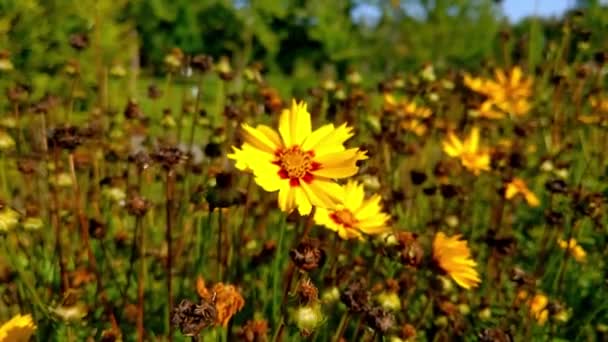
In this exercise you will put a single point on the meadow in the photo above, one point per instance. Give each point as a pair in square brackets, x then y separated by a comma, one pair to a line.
[177, 195]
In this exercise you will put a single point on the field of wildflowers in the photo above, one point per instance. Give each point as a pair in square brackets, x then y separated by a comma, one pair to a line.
[208, 202]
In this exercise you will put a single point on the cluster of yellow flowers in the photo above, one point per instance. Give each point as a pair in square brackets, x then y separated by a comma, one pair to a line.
[18, 329]
[506, 94]
[411, 115]
[303, 166]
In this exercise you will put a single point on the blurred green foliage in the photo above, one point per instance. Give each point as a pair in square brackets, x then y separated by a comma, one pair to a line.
[374, 35]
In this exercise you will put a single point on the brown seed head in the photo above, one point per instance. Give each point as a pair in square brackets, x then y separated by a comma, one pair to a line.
[308, 255]
[191, 318]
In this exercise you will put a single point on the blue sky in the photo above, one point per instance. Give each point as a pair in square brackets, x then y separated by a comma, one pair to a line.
[518, 9]
[513, 9]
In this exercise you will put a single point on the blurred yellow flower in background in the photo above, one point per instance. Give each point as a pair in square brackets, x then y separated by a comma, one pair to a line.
[20, 328]
[453, 256]
[355, 215]
[471, 156]
[299, 163]
[577, 252]
[509, 92]
[518, 186]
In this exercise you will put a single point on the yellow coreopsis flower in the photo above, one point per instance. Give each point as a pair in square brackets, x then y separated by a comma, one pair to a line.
[471, 157]
[538, 308]
[355, 216]
[518, 186]
[577, 252]
[18, 329]
[509, 92]
[299, 163]
[453, 256]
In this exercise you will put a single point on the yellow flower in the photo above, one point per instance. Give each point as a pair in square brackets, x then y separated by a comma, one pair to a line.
[471, 157]
[488, 110]
[415, 126]
[19, 329]
[510, 92]
[354, 215]
[9, 219]
[538, 308]
[6, 141]
[299, 163]
[577, 252]
[453, 256]
[518, 186]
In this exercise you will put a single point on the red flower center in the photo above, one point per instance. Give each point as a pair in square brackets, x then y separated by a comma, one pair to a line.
[344, 217]
[296, 165]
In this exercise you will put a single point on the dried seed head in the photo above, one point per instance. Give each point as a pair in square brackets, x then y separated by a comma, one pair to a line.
[307, 292]
[141, 159]
[191, 318]
[410, 250]
[308, 255]
[133, 110]
[254, 331]
[79, 41]
[417, 177]
[380, 320]
[168, 156]
[448, 190]
[154, 92]
[97, 229]
[137, 205]
[213, 150]
[66, 137]
[494, 335]
[202, 63]
[557, 186]
[355, 296]
[554, 218]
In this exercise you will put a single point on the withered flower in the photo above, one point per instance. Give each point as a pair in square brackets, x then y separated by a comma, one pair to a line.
[137, 205]
[410, 250]
[79, 41]
[494, 335]
[557, 186]
[133, 110]
[168, 156]
[417, 177]
[154, 92]
[228, 300]
[307, 292]
[355, 296]
[254, 331]
[97, 228]
[202, 63]
[66, 137]
[380, 320]
[308, 255]
[191, 318]
[141, 159]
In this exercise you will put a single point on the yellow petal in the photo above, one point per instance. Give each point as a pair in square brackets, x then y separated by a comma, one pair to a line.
[328, 139]
[294, 124]
[262, 138]
[286, 199]
[353, 195]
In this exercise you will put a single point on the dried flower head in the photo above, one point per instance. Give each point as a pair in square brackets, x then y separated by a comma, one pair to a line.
[254, 331]
[308, 255]
[356, 297]
[191, 318]
[307, 292]
[228, 300]
[168, 156]
[380, 319]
